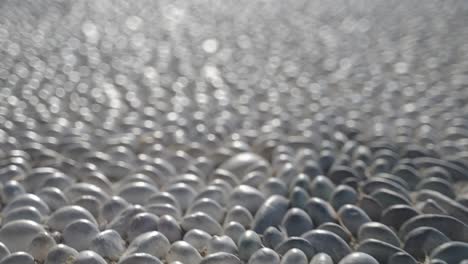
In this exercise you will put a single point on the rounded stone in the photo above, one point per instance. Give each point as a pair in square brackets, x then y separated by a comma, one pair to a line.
[352, 217]
[79, 234]
[264, 255]
[239, 214]
[17, 235]
[271, 213]
[65, 215]
[222, 244]
[272, 237]
[183, 252]
[342, 195]
[401, 258]
[451, 252]
[220, 257]
[40, 246]
[378, 231]
[421, 241]
[108, 244]
[246, 196]
[294, 256]
[203, 222]
[296, 222]
[358, 258]
[296, 242]
[329, 243]
[60, 254]
[89, 257]
[381, 251]
[18, 258]
[321, 258]
[141, 223]
[139, 258]
[248, 244]
[320, 211]
[153, 243]
[234, 230]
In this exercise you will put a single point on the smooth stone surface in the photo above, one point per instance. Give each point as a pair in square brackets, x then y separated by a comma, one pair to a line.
[209, 207]
[222, 244]
[294, 256]
[452, 207]
[395, 216]
[358, 258]
[401, 258]
[60, 254]
[203, 222]
[378, 231]
[79, 234]
[320, 211]
[17, 235]
[4, 251]
[221, 257]
[199, 239]
[264, 255]
[40, 246]
[381, 251]
[122, 221]
[183, 252]
[23, 213]
[321, 187]
[430, 206]
[271, 213]
[449, 226]
[53, 197]
[65, 215]
[337, 230]
[246, 196]
[296, 222]
[299, 197]
[153, 243]
[421, 241]
[321, 258]
[27, 199]
[451, 252]
[329, 243]
[352, 217]
[89, 257]
[139, 258]
[169, 227]
[142, 223]
[234, 230]
[239, 214]
[137, 192]
[113, 207]
[274, 186]
[183, 193]
[163, 209]
[296, 242]
[248, 244]
[371, 206]
[243, 163]
[342, 195]
[387, 198]
[272, 237]
[108, 244]
[18, 258]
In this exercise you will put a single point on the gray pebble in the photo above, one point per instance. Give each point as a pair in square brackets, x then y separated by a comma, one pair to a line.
[321, 258]
[327, 242]
[264, 255]
[358, 258]
[17, 235]
[220, 257]
[153, 243]
[296, 242]
[320, 211]
[65, 215]
[108, 244]
[139, 258]
[270, 213]
[79, 234]
[352, 217]
[89, 257]
[183, 252]
[294, 256]
[248, 244]
[40, 246]
[18, 258]
[60, 254]
[378, 231]
[296, 222]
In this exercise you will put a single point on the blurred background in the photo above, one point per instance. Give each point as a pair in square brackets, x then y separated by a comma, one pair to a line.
[210, 70]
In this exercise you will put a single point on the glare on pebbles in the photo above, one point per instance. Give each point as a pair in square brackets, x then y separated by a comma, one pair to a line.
[148, 132]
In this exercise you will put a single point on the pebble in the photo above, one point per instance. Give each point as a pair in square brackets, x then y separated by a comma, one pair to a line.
[139, 258]
[17, 235]
[40, 246]
[88, 256]
[221, 257]
[381, 251]
[401, 258]
[183, 252]
[272, 237]
[65, 215]
[329, 243]
[358, 258]
[264, 255]
[294, 256]
[271, 213]
[378, 231]
[234, 230]
[153, 243]
[296, 222]
[352, 217]
[451, 252]
[60, 254]
[108, 244]
[79, 234]
[320, 211]
[321, 258]
[142, 223]
[296, 242]
[248, 244]
[18, 258]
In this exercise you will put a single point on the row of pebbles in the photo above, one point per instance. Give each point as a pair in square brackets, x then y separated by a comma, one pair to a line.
[258, 132]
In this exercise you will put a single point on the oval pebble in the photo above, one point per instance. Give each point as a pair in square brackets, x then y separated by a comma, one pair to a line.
[320, 211]
[451, 252]
[222, 244]
[183, 252]
[139, 258]
[296, 222]
[264, 255]
[248, 244]
[358, 258]
[17, 235]
[201, 221]
[234, 230]
[337, 230]
[296, 242]
[246, 196]
[381, 251]
[23, 213]
[378, 231]
[65, 215]
[40, 246]
[401, 258]
[89, 257]
[271, 213]
[108, 244]
[239, 214]
[352, 217]
[18, 258]
[327, 242]
[321, 258]
[141, 223]
[153, 243]
[60, 254]
[272, 237]
[449, 226]
[295, 256]
[422, 240]
[220, 257]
